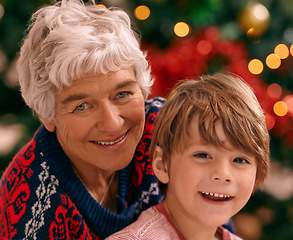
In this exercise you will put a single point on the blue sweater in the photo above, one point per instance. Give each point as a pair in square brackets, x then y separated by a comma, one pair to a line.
[41, 197]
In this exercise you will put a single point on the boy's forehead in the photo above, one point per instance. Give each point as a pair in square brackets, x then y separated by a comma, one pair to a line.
[194, 134]
[221, 133]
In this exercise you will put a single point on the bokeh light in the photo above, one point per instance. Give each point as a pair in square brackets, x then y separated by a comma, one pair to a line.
[142, 12]
[270, 121]
[291, 49]
[101, 5]
[11, 76]
[260, 12]
[288, 35]
[289, 101]
[9, 136]
[181, 29]
[282, 51]
[274, 90]
[204, 47]
[255, 66]
[251, 32]
[280, 108]
[273, 61]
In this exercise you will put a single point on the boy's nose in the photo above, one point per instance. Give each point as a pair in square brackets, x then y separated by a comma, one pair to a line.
[222, 178]
[221, 173]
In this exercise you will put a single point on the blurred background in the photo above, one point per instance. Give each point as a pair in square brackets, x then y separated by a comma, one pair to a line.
[185, 38]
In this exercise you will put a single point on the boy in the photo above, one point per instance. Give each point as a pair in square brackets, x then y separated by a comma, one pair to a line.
[210, 152]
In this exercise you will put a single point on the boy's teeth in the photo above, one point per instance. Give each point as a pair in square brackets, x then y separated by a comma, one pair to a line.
[216, 195]
[111, 143]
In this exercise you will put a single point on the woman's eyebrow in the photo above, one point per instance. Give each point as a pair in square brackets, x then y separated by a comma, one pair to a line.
[126, 83]
[74, 97]
[77, 97]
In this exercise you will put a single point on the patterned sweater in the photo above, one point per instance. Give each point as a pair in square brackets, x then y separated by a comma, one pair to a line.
[42, 198]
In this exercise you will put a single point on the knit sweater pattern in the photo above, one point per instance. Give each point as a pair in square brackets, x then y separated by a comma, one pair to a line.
[41, 197]
[155, 223]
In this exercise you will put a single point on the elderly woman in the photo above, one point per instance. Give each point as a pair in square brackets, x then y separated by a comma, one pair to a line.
[86, 173]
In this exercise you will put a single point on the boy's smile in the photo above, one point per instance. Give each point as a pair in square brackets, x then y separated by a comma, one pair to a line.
[216, 196]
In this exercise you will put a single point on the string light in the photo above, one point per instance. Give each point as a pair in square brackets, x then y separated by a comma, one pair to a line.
[181, 29]
[142, 12]
[280, 108]
[255, 66]
[282, 51]
[273, 61]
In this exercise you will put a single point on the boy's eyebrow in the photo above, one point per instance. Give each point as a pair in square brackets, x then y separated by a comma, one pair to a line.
[76, 97]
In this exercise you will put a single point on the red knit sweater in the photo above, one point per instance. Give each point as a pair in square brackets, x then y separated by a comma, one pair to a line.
[42, 198]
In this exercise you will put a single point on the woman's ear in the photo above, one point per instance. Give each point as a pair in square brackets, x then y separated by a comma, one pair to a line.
[50, 126]
[159, 167]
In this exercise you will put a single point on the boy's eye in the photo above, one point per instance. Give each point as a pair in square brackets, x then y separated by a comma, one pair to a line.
[240, 160]
[122, 94]
[202, 155]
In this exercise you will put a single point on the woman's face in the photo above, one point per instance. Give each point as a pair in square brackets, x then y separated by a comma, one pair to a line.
[99, 120]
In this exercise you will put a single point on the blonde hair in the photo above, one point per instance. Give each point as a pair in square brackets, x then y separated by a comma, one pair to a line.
[222, 97]
[69, 39]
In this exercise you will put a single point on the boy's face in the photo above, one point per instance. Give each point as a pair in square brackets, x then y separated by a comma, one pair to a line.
[207, 184]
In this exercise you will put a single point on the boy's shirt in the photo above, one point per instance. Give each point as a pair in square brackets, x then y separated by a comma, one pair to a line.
[155, 223]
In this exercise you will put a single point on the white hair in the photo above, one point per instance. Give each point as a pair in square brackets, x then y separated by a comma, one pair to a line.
[69, 39]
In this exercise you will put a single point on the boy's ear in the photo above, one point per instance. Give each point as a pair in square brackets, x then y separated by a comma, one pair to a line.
[159, 167]
[50, 126]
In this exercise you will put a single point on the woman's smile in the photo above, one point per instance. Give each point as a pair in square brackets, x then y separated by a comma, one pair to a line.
[111, 142]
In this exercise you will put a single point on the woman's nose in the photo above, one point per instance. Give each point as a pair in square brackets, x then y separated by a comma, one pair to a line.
[110, 119]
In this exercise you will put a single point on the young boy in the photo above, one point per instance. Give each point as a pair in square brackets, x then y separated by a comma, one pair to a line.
[210, 152]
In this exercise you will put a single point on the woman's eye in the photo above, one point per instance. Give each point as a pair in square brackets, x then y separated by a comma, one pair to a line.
[240, 160]
[81, 107]
[122, 94]
[202, 155]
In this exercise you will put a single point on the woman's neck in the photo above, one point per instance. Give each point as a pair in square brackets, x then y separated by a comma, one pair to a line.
[102, 185]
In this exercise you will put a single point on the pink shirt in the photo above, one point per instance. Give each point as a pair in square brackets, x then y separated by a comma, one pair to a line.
[155, 223]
